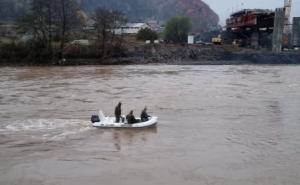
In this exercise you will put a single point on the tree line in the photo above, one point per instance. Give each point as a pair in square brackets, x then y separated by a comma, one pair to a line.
[51, 25]
[48, 22]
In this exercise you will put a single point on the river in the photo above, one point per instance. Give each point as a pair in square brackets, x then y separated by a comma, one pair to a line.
[218, 125]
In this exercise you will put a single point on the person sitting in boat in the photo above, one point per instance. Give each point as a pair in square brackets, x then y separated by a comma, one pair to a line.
[118, 112]
[130, 118]
[144, 115]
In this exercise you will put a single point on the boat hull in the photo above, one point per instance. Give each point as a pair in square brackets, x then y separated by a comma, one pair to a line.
[109, 122]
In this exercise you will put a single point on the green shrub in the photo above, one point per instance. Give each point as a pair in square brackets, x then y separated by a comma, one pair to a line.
[177, 29]
[147, 34]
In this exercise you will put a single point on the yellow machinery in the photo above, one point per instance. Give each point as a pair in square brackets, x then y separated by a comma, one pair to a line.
[236, 43]
[217, 40]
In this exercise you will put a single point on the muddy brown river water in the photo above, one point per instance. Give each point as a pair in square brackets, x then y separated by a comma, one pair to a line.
[218, 125]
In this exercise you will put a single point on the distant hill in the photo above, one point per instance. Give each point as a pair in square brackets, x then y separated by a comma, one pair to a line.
[203, 18]
[10, 10]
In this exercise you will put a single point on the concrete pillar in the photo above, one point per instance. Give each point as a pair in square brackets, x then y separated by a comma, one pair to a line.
[278, 30]
[255, 39]
[287, 23]
[296, 32]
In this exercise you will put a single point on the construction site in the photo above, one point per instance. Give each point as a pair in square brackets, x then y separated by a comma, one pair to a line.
[263, 28]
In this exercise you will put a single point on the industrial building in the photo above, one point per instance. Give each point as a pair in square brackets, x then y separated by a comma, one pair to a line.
[131, 28]
[296, 32]
[262, 28]
[253, 27]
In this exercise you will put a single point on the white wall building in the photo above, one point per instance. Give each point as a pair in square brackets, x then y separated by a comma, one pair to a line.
[131, 28]
[191, 39]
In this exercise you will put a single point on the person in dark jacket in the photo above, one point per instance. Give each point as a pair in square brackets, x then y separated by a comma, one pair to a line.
[130, 118]
[118, 112]
[144, 115]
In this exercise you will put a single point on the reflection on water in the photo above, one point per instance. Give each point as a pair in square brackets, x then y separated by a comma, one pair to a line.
[129, 136]
[227, 125]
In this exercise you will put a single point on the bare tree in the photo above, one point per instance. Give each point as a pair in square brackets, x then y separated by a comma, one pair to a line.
[118, 20]
[50, 18]
[102, 25]
[66, 21]
[106, 21]
[38, 22]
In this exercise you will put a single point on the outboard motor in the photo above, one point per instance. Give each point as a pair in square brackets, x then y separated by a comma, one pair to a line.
[95, 118]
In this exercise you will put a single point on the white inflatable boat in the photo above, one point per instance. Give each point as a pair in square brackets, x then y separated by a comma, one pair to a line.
[101, 121]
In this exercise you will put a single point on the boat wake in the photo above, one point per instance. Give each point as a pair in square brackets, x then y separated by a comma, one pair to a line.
[45, 129]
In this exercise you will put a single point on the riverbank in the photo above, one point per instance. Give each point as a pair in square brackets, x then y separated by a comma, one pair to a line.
[175, 54]
[195, 55]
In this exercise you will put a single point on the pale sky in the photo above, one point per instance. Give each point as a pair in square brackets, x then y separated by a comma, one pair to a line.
[225, 7]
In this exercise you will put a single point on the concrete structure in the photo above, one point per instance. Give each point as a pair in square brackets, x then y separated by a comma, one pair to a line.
[156, 42]
[8, 30]
[296, 32]
[287, 12]
[191, 39]
[278, 30]
[287, 30]
[131, 28]
[248, 18]
[82, 42]
[252, 27]
[261, 28]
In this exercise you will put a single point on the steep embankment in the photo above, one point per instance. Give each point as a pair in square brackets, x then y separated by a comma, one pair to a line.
[207, 55]
[194, 55]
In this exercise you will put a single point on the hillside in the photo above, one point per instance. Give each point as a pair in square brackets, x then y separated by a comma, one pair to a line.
[203, 18]
[10, 10]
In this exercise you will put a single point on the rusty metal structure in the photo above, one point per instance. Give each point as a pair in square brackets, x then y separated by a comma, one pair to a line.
[253, 27]
[262, 28]
[250, 18]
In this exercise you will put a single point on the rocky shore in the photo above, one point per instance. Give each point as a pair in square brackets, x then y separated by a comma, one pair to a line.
[180, 55]
[194, 55]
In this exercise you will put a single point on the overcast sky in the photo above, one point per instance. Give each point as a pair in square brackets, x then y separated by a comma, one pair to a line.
[225, 7]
